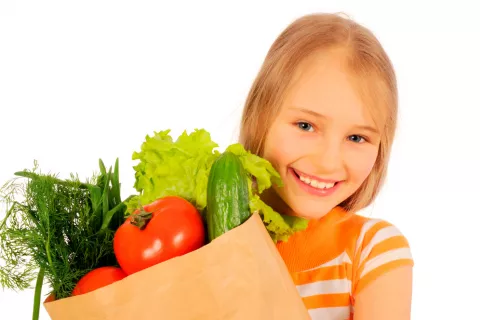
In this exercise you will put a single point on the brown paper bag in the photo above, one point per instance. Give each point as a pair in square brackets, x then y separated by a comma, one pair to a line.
[239, 275]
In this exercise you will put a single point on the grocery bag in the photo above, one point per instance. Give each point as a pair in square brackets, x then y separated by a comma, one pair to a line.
[240, 275]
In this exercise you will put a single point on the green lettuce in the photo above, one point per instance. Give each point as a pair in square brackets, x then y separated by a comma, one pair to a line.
[280, 227]
[181, 168]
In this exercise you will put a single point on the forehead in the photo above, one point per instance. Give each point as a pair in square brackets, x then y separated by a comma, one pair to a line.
[323, 84]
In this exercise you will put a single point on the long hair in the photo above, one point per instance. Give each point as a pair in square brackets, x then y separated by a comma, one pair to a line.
[368, 64]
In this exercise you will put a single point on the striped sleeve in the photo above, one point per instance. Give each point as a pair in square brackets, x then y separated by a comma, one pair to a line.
[380, 248]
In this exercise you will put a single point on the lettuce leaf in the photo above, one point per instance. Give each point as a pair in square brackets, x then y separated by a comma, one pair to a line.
[280, 227]
[178, 167]
[181, 168]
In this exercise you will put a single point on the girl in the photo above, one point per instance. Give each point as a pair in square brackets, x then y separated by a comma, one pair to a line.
[323, 110]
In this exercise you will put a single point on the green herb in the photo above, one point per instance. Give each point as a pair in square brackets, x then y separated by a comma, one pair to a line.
[181, 168]
[58, 229]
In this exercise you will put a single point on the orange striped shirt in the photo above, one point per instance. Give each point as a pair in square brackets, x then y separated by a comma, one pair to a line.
[337, 256]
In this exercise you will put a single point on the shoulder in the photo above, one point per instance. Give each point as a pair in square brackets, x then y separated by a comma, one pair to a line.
[379, 247]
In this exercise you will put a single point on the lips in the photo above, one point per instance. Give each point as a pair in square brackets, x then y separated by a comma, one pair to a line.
[315, 185]
[305, 175]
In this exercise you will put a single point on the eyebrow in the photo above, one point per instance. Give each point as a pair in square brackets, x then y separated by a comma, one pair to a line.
[321, 116]
[310, 112]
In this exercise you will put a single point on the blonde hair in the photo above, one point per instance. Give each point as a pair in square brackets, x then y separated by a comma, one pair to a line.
[366, 60]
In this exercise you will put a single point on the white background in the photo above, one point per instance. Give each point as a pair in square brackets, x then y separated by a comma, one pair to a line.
[86, 80]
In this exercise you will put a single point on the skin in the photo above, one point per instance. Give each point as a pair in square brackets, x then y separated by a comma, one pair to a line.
[388, 297]
[323, 129]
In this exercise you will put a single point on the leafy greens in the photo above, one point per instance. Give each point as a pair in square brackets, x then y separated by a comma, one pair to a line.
[181, 168]
[58, 230]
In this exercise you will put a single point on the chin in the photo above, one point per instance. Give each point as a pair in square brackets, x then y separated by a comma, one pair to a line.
[311, 212]
[288, 200]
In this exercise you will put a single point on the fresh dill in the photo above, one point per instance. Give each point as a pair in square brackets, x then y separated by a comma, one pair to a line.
[58, 230]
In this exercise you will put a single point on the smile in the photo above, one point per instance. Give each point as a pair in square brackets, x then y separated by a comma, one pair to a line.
[314, 185]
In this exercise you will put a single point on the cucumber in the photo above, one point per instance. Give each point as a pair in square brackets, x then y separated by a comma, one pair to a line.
[227, 195]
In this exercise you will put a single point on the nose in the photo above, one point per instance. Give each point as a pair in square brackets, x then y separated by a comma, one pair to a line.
[327, 157]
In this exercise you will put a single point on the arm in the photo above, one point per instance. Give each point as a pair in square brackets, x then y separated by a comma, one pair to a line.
[382, 283]
[387, 297]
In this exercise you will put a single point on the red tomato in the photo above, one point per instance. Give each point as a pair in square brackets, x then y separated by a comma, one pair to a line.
[98, 278]
[168, 227]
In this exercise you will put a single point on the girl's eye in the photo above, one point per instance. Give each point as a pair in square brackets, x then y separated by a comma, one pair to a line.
[356, 138]
[305, 126]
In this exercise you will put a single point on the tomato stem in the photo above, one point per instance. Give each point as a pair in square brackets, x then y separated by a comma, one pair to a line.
[141, 219]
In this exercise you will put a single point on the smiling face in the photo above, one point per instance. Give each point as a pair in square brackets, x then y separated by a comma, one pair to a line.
[323, 141]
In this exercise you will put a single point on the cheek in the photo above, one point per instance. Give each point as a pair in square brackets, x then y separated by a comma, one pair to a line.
[361, 165]
[282, 147]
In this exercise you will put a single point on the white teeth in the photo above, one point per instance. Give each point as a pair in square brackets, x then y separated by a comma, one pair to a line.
[317, 184]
